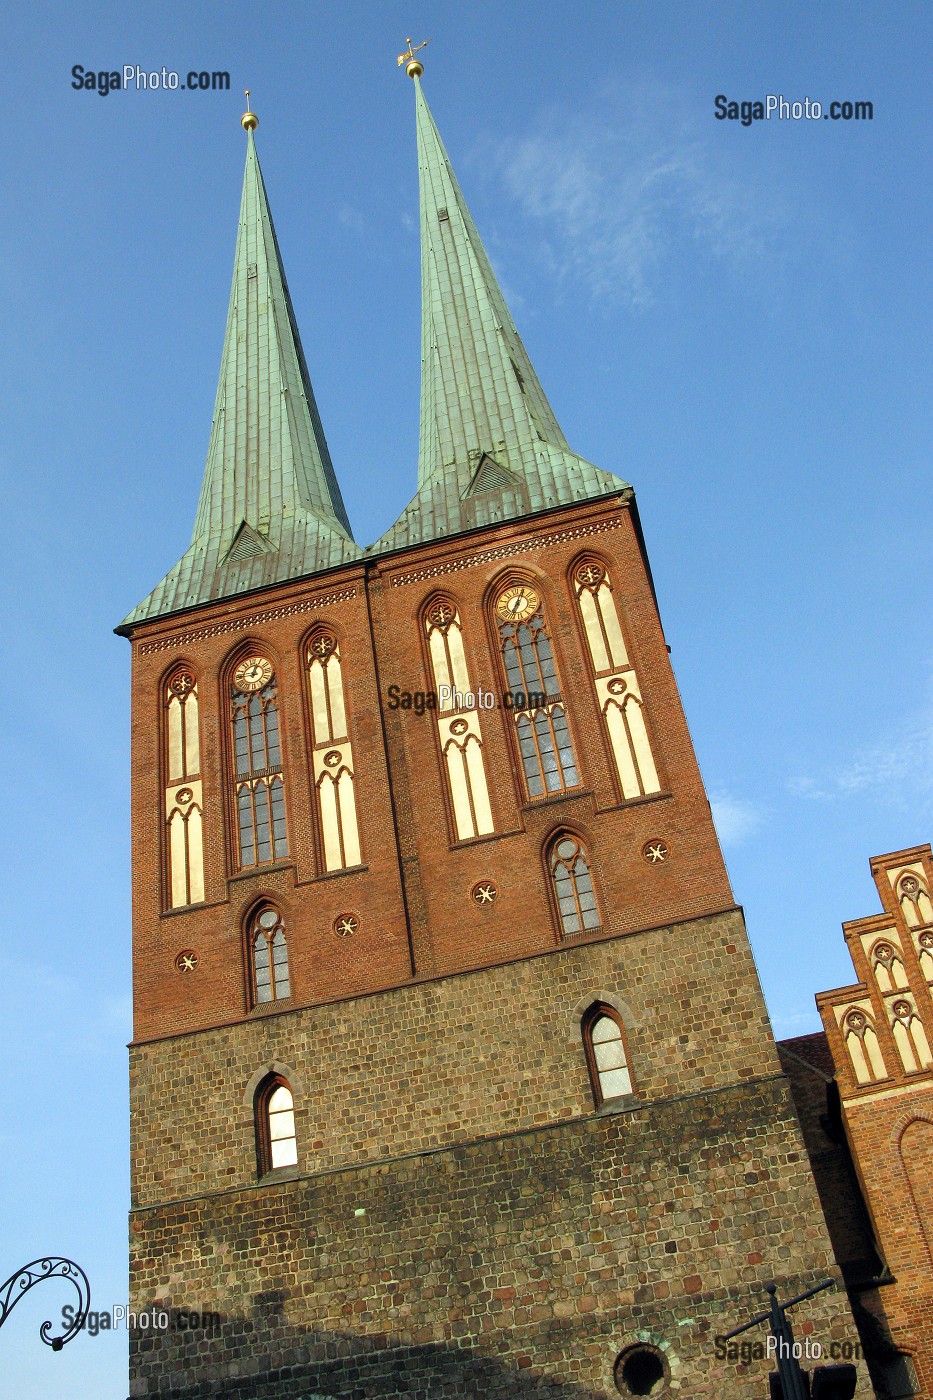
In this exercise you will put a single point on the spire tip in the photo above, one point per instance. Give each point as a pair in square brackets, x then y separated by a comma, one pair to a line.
[249, 121]
[413, 66]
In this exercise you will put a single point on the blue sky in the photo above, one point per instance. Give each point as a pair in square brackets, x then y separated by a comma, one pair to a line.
[735, 319]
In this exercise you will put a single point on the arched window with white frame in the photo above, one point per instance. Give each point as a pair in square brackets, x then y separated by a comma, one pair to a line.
[606, 1053]
[276, 1136]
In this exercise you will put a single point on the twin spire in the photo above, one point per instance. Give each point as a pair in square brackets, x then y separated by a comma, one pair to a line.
[491, 448]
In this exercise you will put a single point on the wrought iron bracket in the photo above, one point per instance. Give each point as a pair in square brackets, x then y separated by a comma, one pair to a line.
[19, 1284]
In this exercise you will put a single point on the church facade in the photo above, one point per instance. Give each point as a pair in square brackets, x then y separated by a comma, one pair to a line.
[451, 1072]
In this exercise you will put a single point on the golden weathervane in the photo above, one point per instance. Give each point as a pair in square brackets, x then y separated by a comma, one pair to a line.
[413, 66]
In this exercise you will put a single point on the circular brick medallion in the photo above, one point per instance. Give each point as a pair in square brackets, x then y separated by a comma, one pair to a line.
[484, 893]
[345, 925]
[187, 960]
[656, 851]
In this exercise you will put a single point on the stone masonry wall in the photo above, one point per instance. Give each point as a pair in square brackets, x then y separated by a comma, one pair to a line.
[438, 1062]
[519, 1266]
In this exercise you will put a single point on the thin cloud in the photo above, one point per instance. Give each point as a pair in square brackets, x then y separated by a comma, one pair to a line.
[735, 818]
[618, 189]
[899, 762]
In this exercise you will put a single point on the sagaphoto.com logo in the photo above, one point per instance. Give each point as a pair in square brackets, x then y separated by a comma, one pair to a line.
[131, 77]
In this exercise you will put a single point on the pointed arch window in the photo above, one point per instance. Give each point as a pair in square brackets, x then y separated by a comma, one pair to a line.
[861, 1041]
[914, 898]
[259, 785]
[617, 689]
[183, 809]
[888, 966]
[332, 753]
[533, 695]
[458, 722]
[606, 1053]
[572, 883]
[269, 954]
[276, 1138]
[910, 1036]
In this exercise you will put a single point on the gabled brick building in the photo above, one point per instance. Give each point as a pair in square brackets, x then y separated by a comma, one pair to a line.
[451, 1072]
[864, 1091]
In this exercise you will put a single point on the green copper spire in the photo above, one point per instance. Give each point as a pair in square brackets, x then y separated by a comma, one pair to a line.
[270, 507]
[491, 448]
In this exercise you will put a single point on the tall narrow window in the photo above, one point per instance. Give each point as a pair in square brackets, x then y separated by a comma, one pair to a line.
[270, 956]
[185, 846]
[543, 734]
[604, 1042]
[617, 690]
[862, 1044]
[276, 1139]
[458, 722]
[258, 782]
[332, 754]
[573, 888]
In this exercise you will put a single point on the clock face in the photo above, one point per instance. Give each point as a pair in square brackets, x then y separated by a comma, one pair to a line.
[252, 674]
[516, 603]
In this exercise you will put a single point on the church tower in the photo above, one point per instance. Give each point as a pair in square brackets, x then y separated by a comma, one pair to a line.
[451, 1073]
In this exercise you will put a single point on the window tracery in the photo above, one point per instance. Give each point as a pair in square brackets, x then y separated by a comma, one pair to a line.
[861, 1041]
[910, 1036]
[572, 883]
[183, 806]
[617, 689]
[914, 898]
[888, 966]
[458, 723]
[269, 953]
[332, 753]
[259, 786]
[544, 741]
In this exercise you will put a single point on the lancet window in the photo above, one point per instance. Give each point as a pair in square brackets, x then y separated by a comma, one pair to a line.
[572, 884]
[332, 753]
[183, 806]
[910, 1036]
[617, 689]
[861, 1041]
[543, 734]
[276, 1138]
[269, 954]
[915, 900]
[259, 785]
[606, 1054]
[458, 722]
[888, 966]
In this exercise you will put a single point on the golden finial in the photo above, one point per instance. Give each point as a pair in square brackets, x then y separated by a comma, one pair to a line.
[413, 66]
[249, 121]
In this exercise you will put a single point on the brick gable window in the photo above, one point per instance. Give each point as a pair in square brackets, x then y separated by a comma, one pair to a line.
[572, 884]
[269, 952]
[276, 1140]
[257, 758]
[606, 1054]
